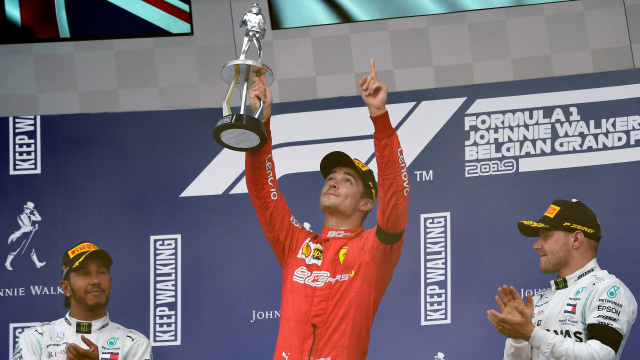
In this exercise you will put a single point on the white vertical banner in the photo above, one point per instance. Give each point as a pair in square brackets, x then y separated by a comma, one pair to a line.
[165, 290]
[435, 245]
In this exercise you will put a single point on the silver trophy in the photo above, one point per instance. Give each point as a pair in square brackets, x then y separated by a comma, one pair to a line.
[243, 132]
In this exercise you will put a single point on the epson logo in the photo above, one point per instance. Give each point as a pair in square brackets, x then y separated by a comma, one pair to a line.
[300, 140]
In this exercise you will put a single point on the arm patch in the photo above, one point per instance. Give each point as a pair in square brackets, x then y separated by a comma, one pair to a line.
[387, 238]
[606, 335]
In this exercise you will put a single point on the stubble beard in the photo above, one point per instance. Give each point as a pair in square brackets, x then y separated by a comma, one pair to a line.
[89, 306]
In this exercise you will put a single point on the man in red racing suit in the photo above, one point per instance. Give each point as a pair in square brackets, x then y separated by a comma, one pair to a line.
[332, 282]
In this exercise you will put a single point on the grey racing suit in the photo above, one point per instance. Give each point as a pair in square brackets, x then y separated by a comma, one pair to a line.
[49, 340]
[587, 315]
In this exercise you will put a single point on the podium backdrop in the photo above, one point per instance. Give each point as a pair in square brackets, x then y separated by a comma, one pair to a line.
[193, 271]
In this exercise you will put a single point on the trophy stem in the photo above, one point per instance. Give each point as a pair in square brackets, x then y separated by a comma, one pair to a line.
[226, 108]
[244, 96]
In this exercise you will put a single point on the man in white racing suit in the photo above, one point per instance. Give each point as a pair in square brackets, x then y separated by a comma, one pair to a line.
[85, 332]
[586, 314]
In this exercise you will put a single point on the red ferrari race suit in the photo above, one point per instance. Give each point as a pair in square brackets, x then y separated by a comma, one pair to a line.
[332, 282]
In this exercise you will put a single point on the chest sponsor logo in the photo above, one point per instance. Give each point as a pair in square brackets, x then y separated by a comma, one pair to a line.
[110, 355]
[342, 254]
[570, 308]
[311, 253]
[609, 309]
[316, 278]
[58, 337]
[112, 342]
[607, 301]
[568, 321]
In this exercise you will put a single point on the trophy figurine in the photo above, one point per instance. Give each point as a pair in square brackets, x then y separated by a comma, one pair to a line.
[242, 132]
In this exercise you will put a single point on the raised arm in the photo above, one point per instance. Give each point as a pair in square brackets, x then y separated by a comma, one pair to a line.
[393, 177]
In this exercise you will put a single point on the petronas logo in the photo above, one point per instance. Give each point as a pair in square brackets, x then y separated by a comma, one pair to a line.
[112, 342]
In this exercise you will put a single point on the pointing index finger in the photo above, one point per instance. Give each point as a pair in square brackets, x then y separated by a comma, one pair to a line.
[88, 342]
[372, 67]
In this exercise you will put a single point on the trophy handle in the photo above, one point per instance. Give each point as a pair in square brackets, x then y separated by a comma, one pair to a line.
[257, 113]
[237, 71]
[245, 85]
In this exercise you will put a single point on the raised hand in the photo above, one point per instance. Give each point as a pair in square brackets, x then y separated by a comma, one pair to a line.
[373, 92]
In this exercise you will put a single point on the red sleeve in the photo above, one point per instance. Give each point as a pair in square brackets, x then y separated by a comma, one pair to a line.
[279, 226]
[393, 177]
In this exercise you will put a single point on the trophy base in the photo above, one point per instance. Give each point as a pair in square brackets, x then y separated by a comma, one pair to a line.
[240, 132]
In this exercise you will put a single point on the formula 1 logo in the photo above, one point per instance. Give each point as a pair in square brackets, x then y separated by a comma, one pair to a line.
[300, 145]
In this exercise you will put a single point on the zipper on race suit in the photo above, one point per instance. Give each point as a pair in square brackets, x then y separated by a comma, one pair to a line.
[312, 343]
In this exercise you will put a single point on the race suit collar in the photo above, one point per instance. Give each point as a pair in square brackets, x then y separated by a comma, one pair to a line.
[560, 283]
[87, 327]
[328, 233]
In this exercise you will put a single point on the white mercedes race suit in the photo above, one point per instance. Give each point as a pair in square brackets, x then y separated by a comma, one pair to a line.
[49, 340]
[588, 315]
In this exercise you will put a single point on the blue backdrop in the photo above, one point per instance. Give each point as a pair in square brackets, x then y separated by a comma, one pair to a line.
[193, 271]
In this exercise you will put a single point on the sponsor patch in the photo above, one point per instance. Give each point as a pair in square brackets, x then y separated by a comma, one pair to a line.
[110, 356]
[570, 308]
[534, 224]
[343, 253]
[311, 252]
[82, 248]
[316, 278]
[552, 211]
[83, 327]
[360, 165]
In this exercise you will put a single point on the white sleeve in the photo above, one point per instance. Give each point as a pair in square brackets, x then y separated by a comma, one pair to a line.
[517, 350]
[552, 346]
[29, 346]
[140, 349]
